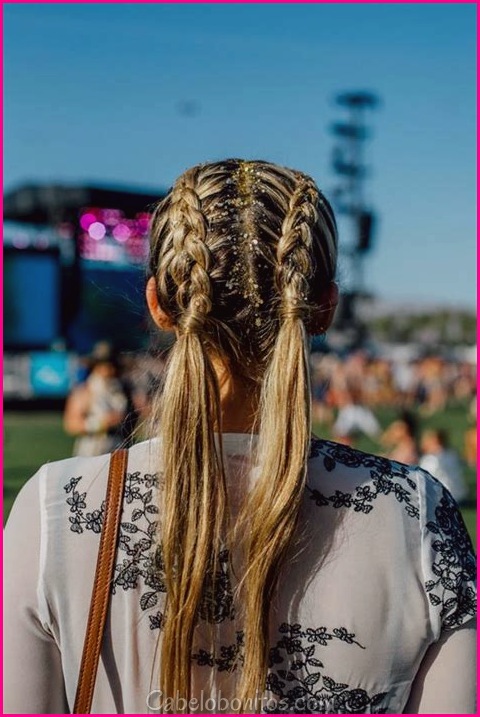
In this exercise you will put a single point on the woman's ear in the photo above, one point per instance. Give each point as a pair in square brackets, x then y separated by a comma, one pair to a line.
[162, 319]
[323, 315]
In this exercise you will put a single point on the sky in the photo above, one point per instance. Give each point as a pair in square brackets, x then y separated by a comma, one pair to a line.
[133, 94]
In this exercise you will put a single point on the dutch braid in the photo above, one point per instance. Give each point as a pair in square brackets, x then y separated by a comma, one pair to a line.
[192, 259]
[194, 478]
[294, 251]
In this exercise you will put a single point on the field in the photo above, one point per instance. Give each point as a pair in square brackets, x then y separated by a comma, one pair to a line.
[34, 438]
[30, 439]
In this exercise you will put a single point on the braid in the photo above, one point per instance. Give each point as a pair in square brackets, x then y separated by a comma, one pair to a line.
[192, 259]
[190, 413]
[285, 426]
[294, 251]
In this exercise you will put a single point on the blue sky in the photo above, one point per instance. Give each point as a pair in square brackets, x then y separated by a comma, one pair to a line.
[94, 93]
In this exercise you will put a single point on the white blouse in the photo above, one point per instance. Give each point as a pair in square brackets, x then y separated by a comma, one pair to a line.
[374, 612]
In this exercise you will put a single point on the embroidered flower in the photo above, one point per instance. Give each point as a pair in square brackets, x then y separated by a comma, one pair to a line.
[351, 702]
[94, 521]
[77, 501]
[453, 590]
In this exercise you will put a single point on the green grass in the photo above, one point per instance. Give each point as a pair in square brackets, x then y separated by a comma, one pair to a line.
[32, 439]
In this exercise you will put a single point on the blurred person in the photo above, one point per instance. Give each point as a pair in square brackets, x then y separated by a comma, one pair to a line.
[435, 394]
[437, 387]
[321, 411]
[354, 418]
[465, 381]
[386, 390]
[337, 383]
[249, 550]
[146, 378]
[421, 393]
[401, 437]
[370, 383]
[354, 367]
[443, 462]
[405, 380]
[98, 412]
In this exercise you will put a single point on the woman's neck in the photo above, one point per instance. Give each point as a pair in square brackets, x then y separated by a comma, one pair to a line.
[238, 402]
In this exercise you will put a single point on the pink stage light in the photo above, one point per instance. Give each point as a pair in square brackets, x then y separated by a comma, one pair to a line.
[97, 230]
[121, 232]
[86, 220]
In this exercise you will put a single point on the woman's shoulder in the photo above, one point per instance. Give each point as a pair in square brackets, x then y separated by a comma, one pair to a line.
[415, 509]
[77, 485]
[346, 476]
[140, 456]
[357, 479]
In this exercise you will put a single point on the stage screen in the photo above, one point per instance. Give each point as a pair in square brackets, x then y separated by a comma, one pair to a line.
[31, 298]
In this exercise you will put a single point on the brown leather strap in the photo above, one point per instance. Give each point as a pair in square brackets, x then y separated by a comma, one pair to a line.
[102, 583]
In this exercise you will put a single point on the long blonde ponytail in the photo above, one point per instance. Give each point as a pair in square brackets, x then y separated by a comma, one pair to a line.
[192, 465]
[285, 427]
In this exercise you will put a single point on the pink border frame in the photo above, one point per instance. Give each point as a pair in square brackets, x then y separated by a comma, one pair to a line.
[244, 2]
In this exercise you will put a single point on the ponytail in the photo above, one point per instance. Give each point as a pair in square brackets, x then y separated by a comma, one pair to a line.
[285, 428]
[195, 502]
[194, 482]
[272, 509]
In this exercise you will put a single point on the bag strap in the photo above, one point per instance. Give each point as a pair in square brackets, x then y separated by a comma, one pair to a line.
[101, 586]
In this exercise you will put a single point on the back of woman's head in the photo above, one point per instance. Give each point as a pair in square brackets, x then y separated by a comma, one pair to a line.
[236, 247]
[243, 256]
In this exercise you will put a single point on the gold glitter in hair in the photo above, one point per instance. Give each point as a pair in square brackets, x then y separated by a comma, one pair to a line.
[246, 179]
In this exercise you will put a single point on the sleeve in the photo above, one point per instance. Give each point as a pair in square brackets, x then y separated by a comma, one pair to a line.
[33, 678]
[446, 680]
[448, 558]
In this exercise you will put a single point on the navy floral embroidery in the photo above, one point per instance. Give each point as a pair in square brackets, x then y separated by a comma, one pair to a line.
[228, 659]
[297, 680]
[352, 458]
[387, 478]
[139, 559]
[94, 521]
[453, 590]
[76, 500]
[141, 562]
[217, 604]
[295, 675]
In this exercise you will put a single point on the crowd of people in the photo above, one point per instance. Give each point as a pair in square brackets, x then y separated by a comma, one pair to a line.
[348, 391]
[428, 384]
[110, 406]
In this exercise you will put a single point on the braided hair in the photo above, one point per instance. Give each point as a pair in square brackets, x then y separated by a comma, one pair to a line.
[242, 254]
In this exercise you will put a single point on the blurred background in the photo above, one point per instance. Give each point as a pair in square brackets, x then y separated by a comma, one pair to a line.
[106, 104]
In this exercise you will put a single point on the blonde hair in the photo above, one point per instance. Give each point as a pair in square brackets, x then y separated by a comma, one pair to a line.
[242, 254]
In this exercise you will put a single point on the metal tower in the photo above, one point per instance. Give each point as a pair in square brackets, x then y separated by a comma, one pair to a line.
[348, 162]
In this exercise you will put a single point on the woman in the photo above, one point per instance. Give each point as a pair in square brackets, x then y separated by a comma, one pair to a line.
[98, 412]
[443, 462]
[277, 572]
